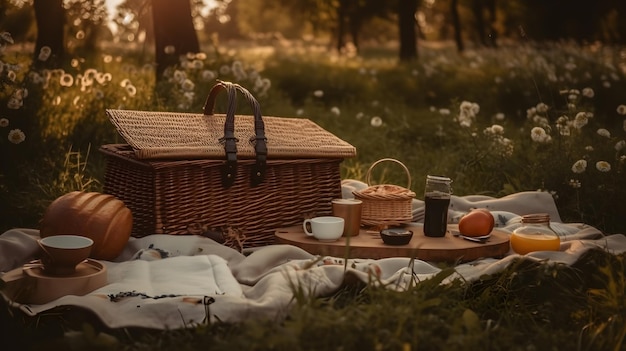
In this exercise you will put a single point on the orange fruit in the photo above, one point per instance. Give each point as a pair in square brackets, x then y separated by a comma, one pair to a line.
[476, 222]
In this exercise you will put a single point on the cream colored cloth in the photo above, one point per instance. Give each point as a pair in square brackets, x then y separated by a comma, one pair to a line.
[167, 282]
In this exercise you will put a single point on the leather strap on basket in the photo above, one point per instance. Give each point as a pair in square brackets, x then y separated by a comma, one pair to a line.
[229, 170]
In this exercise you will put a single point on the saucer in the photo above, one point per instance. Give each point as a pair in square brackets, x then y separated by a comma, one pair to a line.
[34, 286]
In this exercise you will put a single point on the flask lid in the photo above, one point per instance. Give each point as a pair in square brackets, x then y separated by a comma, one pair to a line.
[438, 179]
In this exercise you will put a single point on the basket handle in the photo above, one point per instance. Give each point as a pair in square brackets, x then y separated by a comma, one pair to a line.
[229, 170]
[369, 171]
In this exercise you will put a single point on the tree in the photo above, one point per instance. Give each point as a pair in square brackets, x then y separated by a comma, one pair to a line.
[50, 19]
[407, 25]
[456, 23]
[174, 33]
[354, 14]
[487, 36]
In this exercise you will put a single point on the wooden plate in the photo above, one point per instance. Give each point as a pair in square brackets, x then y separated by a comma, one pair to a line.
[29, 284]
[369, 245]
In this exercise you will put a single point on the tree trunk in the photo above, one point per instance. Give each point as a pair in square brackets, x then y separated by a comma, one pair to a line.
[341, 25]
[355, 29]
[406, 22]
[456, 23]
[493, 35]
[478, 11]
[50, 19]
[174, 33]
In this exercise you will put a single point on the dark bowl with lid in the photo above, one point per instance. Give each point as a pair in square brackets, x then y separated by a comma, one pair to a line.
[396, 236]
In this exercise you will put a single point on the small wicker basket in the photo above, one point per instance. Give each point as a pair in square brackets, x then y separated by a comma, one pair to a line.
[385, 205]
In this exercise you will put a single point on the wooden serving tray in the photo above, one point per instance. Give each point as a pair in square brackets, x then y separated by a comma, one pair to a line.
[368, 244]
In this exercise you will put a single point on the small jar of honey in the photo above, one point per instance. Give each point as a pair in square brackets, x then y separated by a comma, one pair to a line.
[535, 234]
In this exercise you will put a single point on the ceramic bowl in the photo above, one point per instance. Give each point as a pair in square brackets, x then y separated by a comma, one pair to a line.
[62, 253]
[396, 236]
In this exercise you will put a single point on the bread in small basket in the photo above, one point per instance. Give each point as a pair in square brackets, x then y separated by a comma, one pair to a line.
[385, 205]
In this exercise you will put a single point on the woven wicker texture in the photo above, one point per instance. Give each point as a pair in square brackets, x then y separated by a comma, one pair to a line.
[187, 135]
[385, 204]
[177, 178]
[176, 197]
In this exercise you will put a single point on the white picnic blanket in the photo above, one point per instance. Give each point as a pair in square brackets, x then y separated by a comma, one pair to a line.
[169, 282]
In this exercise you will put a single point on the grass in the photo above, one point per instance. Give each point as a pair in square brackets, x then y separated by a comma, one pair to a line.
[467, 116]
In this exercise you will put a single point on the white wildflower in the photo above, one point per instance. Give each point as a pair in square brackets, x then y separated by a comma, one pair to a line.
[444, 111]
[603, 166]
[103, 78]
[495, 129]
[574, 183]
[187, 85]
[11, 75]
[6, 37]
[197, 64]
[44, 53]
[542, 107]
[604, 132]
[335, 111]
[318, 93]
[224, 69]
[170, 49]
[16, 136]
[208, 75]
[538, 134]
[4, 122]
[131, 90]
[621, 110]
[179, 76]
[189, 96]
[579, 166]
[506, 146]
[66, 80]
[619, 146]
[580, 120]
[376, 121]
[541, 121]
[15, 103]
[588, 92]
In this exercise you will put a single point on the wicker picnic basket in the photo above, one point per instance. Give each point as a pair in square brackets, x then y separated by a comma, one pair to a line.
[240, 176]
[385, 205]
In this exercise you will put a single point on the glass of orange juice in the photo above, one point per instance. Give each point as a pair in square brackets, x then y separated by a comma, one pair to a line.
[535, 234]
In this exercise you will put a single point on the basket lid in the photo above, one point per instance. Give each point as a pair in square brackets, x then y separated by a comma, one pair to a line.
[154, 135]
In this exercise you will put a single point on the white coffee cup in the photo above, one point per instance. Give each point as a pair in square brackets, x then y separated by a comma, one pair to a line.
[325, 228]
